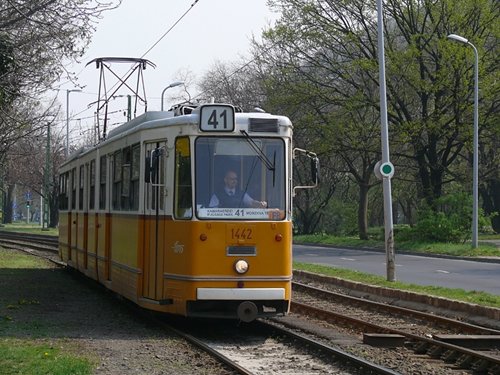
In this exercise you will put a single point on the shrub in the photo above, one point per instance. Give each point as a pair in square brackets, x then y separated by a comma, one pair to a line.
[449, 220]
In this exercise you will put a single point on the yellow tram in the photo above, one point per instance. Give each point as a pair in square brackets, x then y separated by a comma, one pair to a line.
[148, 212]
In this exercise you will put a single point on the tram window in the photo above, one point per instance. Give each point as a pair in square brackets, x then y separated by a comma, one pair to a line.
[81, 185]
[73, 188]
[102, 183]
[63, 191]
[183, 185]
[117, 180]
[134, 178]
[259, 167]
[125, 193]
[92, 185]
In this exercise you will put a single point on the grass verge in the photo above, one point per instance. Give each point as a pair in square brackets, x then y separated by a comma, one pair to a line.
[32, 228]
[480, 298]
[26, 357]
[24, 347]
[453, 249]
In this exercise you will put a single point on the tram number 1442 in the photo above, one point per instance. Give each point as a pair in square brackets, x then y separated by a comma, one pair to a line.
[240, 233]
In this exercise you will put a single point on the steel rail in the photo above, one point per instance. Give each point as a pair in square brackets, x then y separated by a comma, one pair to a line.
[371, 367]
[423, 342]
[206, 348]
[334, 296]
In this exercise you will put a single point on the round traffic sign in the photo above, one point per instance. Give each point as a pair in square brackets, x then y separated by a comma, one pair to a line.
[387, 169]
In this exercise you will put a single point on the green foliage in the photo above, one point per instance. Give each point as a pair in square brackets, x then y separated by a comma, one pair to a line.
[440, 227]
[449, 220]
[340, 218]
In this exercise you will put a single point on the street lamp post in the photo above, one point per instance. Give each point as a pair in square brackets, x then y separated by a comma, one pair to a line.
[46, 201]
[174, 84]
[67, 118]
[475, 162]
[385, 167]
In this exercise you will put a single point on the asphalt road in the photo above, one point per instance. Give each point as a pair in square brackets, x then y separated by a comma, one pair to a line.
[415, 269]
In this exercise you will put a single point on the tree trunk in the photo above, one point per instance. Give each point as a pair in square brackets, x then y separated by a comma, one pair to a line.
[8, 204]
[490, 192]
[363, 211]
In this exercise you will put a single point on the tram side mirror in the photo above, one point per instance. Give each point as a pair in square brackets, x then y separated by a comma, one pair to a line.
[314, 166]
[154, 165]
[151, 166]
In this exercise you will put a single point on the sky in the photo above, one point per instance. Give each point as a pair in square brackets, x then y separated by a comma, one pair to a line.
[212, 30]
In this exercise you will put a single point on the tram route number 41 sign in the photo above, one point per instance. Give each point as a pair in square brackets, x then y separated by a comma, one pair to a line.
[217, 118]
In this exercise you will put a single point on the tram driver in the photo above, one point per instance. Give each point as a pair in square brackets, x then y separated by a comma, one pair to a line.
[230, 196]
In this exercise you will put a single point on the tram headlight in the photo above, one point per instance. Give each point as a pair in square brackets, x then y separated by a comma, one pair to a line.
[241, 266]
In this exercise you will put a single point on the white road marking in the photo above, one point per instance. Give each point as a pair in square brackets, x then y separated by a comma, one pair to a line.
[442, 271]
[348, 259]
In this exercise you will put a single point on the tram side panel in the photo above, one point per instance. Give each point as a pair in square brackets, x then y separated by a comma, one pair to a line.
[64, 240]
[92, 230]
[122, 260]
[103, 247]
[81, 241]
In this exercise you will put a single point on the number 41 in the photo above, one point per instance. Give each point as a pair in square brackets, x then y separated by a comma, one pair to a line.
[213, 119]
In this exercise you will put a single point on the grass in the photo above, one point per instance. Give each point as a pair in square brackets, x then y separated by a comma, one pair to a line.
[24, 357]
[14, 260]
[22, 347]
[453, 249]
[480, 298]
[32, 228]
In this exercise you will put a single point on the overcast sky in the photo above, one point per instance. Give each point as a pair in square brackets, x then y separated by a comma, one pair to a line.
[213, 30]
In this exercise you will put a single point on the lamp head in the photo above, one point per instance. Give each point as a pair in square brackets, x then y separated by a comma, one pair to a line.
[175, 84]
[458, 38]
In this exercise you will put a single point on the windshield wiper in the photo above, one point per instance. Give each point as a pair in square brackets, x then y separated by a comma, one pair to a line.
[269, 165]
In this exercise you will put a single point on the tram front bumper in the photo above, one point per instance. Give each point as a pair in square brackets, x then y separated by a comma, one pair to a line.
[235, 294]
[244, 304]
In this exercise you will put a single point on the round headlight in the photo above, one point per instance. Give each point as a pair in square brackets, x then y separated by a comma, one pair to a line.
[241, 266]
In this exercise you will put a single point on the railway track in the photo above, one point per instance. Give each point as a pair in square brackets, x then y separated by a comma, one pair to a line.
[262, 347]
[36, 244]
[436, 336]
[422, 332]
[249, 349]
[33, 241]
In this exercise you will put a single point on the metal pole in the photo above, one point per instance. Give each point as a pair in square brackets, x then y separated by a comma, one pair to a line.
[174, 84]
[475, 157]
[475, 166]
[46, 209]
[388, 222]
[67, 119]
[67, 122]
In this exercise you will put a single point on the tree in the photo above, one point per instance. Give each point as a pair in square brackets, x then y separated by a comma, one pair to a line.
[37, 39]
[313, 75]
[233, 82]
[332, 47]
[25, 167]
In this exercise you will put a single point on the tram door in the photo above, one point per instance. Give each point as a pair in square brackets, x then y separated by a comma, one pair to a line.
[154, 195]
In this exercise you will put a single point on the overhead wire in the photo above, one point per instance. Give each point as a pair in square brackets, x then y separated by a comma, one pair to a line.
[149, 49]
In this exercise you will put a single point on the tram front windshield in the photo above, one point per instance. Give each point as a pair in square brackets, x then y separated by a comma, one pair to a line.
[240, 178]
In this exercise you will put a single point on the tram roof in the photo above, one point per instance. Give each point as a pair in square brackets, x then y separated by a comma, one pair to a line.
[154, 119]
